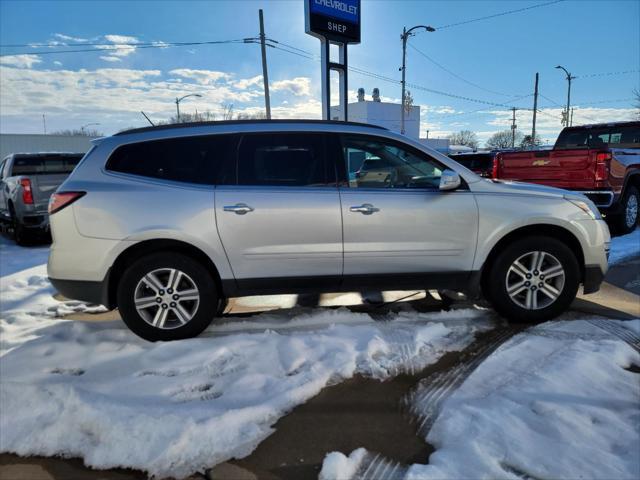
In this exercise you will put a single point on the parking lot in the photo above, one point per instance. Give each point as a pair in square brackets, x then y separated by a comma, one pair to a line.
[281, 382]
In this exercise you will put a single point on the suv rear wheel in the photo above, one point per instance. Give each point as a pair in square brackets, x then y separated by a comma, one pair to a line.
[167, 296]
[533, 279]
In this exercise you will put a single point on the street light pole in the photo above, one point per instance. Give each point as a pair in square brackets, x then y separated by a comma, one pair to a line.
[404, 37]
[178, 100]
[569, 78]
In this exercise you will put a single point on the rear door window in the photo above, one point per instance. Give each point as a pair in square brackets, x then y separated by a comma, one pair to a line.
[42, 165]
[283, 160]
[186, 159]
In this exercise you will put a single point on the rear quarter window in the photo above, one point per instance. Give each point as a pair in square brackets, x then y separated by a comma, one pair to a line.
[185, 159]
[42, 165]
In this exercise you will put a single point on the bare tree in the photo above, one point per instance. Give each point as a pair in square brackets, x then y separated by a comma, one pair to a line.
[78, 133]
[502, 139]
[252, 116]
[228, 112]
[529, 142]
[464, 137]
[636, 93]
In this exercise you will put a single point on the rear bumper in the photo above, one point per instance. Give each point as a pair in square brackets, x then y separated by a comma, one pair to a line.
[86, 291]
[593, 278]
[36, 222]
[603, 199]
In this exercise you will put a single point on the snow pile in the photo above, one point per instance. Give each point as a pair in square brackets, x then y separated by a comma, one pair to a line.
[557, 401]
[94, 390]
[625, 247]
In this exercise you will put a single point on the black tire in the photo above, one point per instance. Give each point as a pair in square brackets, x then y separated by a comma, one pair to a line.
[222, 306]
[497, 280]
[203, 315]
[20, 235]
[625, 223]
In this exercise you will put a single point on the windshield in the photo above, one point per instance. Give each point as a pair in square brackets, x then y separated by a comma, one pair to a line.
[615, 136]
[42, 165]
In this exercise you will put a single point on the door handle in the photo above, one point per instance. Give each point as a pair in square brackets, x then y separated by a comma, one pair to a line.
[238, 208]
[365, 209]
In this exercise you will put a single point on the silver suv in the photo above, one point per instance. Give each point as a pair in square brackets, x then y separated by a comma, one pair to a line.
[167, 222]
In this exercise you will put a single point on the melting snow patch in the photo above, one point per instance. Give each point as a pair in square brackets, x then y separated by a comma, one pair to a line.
[94, 390]
[625, 247]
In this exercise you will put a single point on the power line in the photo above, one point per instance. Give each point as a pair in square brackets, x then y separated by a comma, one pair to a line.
[130, 46]
[508, 12]
[456, 75]
[607, 74]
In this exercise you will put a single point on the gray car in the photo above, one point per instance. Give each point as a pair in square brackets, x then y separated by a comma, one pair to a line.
[27, 180]
[167, 222]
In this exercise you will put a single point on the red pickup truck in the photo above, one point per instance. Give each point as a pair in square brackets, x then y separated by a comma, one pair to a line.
[601, 161]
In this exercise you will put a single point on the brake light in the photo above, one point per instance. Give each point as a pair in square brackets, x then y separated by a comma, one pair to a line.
[63, 199]
[602, 165]
[27, 193]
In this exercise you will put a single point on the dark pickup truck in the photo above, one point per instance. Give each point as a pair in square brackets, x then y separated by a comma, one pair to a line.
[601, 161]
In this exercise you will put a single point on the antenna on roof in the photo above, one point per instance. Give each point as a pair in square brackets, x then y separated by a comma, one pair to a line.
[148, 119]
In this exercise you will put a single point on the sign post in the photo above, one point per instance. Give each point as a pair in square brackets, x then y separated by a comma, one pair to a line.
[334, 22]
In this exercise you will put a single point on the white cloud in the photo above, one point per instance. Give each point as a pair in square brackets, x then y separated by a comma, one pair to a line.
[110, 59]
[57, 63]
[20, 61]
[245, 83]
[120, 39]
[203, 77]
[298, 86]
[69, 38]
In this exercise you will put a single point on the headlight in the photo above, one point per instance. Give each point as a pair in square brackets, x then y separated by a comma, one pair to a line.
[586, 207]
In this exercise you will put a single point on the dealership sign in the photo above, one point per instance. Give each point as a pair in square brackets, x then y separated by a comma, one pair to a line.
[336, 20]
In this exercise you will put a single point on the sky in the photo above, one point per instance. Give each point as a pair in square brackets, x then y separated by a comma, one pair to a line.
[464, 76]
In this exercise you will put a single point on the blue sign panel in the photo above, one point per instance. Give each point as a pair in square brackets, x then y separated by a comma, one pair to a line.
[340, 9]
[336, 20]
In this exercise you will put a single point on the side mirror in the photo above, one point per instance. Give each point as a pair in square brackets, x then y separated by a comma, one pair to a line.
[449, 180]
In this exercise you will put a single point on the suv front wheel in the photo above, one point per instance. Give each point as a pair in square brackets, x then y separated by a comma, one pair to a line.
[167, 296]
[533, 279]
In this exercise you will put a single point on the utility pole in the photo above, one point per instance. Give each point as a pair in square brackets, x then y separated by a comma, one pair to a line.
[571, 119]
[535, 111]
[265, 74]
[44, 124]
[404, 37]
[513, 128]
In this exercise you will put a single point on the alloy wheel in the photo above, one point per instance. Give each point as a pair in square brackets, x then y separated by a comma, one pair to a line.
[166, 298]
[535, 280]
[631, 212]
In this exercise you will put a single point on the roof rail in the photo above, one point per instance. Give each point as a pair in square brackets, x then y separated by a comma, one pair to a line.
[242, 122]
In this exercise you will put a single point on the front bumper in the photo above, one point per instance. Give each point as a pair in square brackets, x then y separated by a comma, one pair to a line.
[593, 278]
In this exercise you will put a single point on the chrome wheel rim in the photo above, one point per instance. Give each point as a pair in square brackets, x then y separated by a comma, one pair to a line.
[535, 280]
[631, 213]
[166, 298]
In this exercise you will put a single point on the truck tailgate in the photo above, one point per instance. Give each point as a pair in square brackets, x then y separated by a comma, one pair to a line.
[43, 186]
[570, 169]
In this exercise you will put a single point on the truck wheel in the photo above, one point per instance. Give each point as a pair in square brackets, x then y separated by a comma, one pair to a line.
[20, 234]
[167, 296]
[533, 279]
[627, 221]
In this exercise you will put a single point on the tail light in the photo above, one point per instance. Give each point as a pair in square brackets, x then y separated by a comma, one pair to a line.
[60, 200]
[602, 166]
[495, 170]
[27, 193]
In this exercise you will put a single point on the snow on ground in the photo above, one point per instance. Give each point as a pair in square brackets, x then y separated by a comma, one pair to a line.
[554, 402]
[96, 391]
[625, 247]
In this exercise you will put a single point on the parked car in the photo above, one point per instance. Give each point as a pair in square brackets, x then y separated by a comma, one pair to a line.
[166, 222]
[27, 180]
[602, 161]
[478, 162]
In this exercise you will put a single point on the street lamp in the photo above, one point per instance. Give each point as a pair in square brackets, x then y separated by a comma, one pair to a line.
[569, 78]
[178, 100]
[87, 125]
[404, 37]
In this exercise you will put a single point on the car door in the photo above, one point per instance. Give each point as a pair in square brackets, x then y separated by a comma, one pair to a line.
[278, 215]
[396, 222]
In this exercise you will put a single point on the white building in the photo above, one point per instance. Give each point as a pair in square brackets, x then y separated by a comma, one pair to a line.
[31, 143]
[387, 115]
